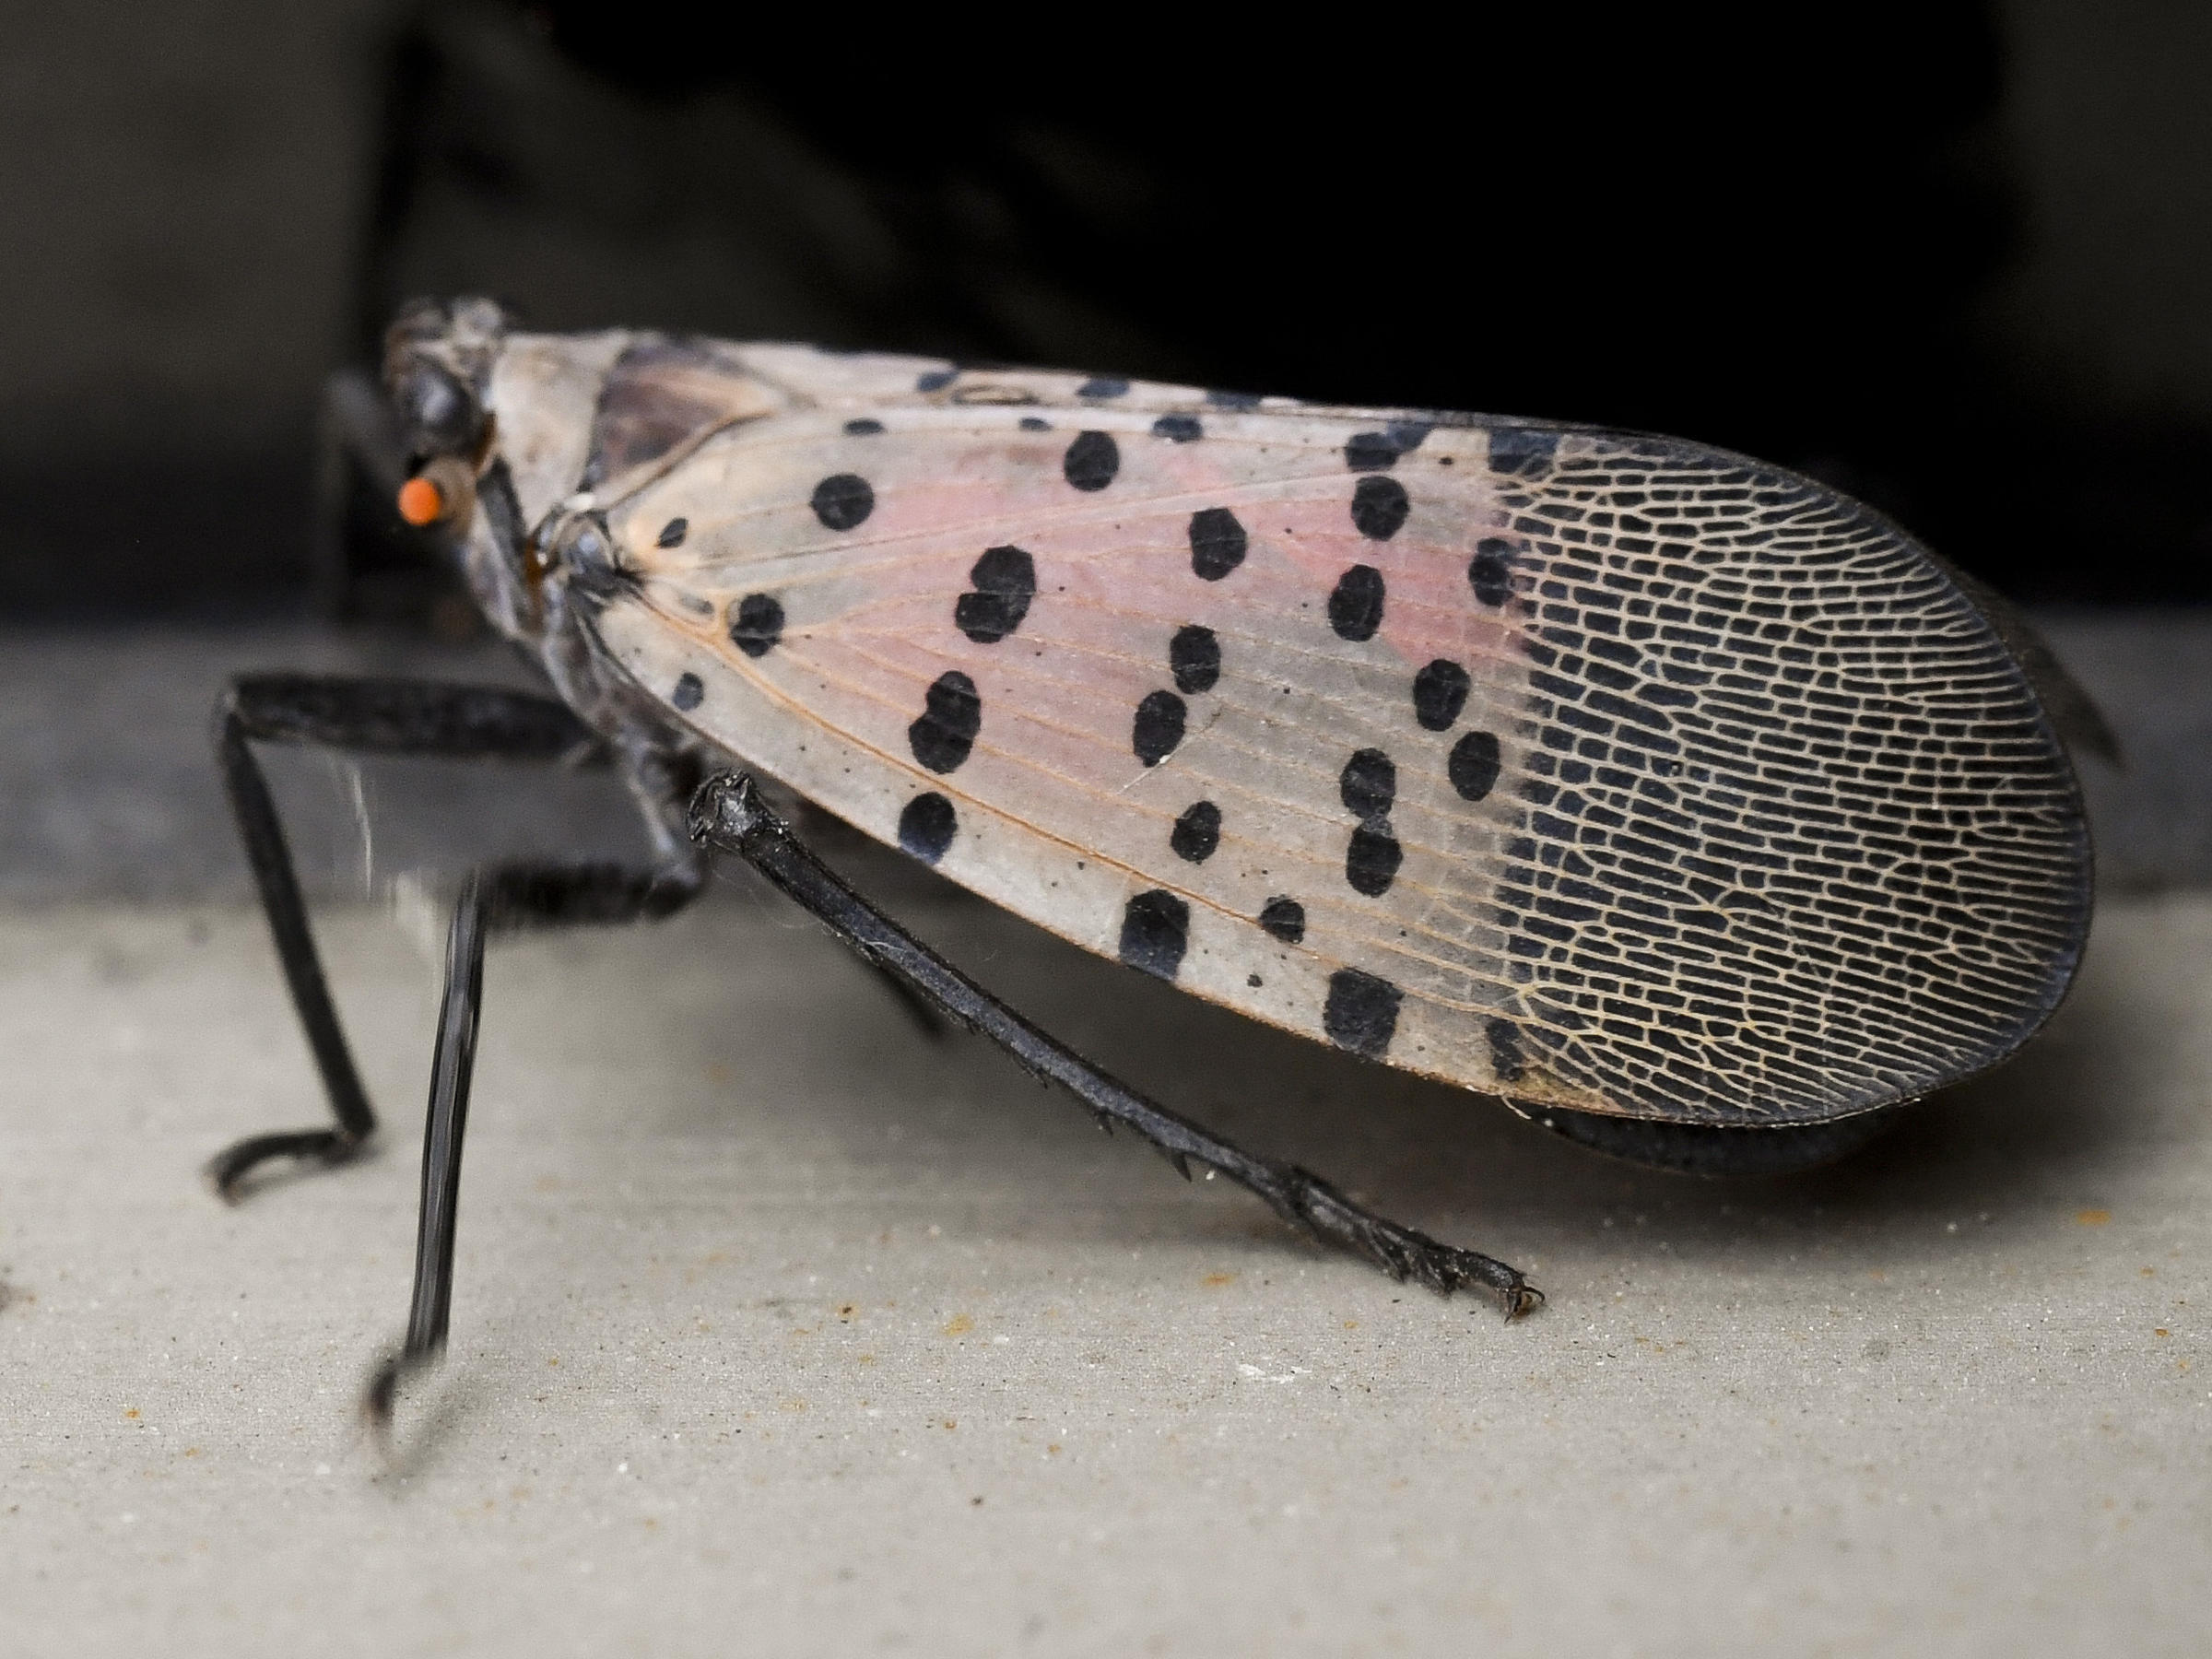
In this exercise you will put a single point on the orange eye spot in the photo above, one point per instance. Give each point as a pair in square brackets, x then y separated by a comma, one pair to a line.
[421, 502]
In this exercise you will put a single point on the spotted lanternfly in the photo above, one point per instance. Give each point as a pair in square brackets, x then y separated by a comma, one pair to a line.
[1682, 802]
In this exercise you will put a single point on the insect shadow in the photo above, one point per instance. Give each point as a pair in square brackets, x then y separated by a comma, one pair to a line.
[2054, 1119]
[457, 1404]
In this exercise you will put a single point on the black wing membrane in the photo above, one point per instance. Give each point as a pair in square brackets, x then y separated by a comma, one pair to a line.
[1800, 838]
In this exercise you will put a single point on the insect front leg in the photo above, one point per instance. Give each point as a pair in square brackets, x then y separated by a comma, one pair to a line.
[453, 1067]
[729, 814]
[392, 717]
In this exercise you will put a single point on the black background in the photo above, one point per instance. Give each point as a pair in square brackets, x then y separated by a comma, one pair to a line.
[1871, 242]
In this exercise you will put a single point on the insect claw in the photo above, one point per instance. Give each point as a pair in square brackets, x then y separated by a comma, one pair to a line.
[327, 1148]
[1521, 1301]
[378, 1398]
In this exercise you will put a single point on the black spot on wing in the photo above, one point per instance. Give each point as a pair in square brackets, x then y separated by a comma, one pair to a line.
[1369, 452]
[1472, 766]
[1156, 931]
[756, 624]
[1361, 1014]
[1372, 859]
[1102, 385]
[1378, 452]
[673, 533]
[1178, 429]
[843, 501]
[1439, 693]
[1491, 571]
[1217, 542]
[1197, 832]
[1194, 658]
[688, 693]
[1005, 581]
[1091, 461]
[926, 826]
[1035, 423]
[1379, 508]
[863, 427]
[1284, 918]
[1233, 400]
[1368, 785]
[1356, 603]
[951, 716]
[936, 380]
[1157, 727]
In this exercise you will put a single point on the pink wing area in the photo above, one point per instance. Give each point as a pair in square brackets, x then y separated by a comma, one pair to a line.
[1594, 772]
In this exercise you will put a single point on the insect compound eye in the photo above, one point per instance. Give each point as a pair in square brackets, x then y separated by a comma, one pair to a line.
[441, 413]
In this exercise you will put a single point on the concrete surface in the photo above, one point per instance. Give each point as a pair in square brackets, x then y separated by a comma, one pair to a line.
[780, 1330]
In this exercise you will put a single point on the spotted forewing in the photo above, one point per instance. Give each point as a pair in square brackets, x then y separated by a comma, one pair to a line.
[1590, 768]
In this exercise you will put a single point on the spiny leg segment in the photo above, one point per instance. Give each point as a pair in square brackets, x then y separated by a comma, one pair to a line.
[728, 815]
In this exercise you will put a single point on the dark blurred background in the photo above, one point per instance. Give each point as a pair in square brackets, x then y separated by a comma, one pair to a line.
[1955, 257]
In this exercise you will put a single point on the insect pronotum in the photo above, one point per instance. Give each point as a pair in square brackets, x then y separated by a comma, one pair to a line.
[1686, 805]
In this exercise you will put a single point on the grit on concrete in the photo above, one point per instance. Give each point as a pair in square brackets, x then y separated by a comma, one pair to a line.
[782, 1329]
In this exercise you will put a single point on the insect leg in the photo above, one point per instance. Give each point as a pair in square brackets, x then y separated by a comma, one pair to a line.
[729, 814]
[429, 1308]
[362, 715]
[504, 899]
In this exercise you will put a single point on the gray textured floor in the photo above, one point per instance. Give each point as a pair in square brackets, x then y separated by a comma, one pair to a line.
[782, 1330]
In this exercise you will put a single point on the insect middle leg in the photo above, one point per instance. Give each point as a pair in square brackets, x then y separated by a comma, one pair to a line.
[729, 816]
[366, 716]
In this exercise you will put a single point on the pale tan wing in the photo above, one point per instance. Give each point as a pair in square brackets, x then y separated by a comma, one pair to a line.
[1590, 768]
